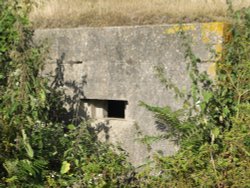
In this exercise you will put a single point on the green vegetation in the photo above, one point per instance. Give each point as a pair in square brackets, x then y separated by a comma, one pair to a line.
[213, 127]
[37, 149]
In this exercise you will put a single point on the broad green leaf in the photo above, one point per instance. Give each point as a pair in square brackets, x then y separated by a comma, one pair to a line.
[65, 167]
[71, 127]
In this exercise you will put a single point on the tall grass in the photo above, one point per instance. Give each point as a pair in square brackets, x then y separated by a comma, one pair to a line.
[73, 13]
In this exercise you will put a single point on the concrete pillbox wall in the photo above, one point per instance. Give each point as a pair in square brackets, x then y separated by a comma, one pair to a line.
[117, 64]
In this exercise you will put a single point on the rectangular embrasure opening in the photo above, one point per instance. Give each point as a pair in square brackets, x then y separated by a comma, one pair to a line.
[96, 109]
[116, 109]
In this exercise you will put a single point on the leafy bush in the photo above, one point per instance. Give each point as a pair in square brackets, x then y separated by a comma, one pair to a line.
[213, 127]
[37, 149]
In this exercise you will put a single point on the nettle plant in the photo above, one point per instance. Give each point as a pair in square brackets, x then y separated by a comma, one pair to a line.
[213, 127]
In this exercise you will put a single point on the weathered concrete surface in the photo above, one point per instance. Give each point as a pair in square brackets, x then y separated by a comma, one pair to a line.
[118, 64]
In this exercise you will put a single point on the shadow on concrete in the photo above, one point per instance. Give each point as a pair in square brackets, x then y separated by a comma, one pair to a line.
[65, 107]
[161, 126]
[103, 127]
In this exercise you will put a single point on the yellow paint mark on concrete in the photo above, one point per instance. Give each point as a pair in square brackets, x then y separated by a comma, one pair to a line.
[215, 28]
[209, 30]
[177, 28]
[212, 70]
[218, 48]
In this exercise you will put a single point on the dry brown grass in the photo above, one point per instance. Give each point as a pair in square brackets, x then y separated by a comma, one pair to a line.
[98, 13]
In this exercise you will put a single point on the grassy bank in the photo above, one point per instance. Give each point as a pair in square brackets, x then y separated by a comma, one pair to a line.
[98, 13]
